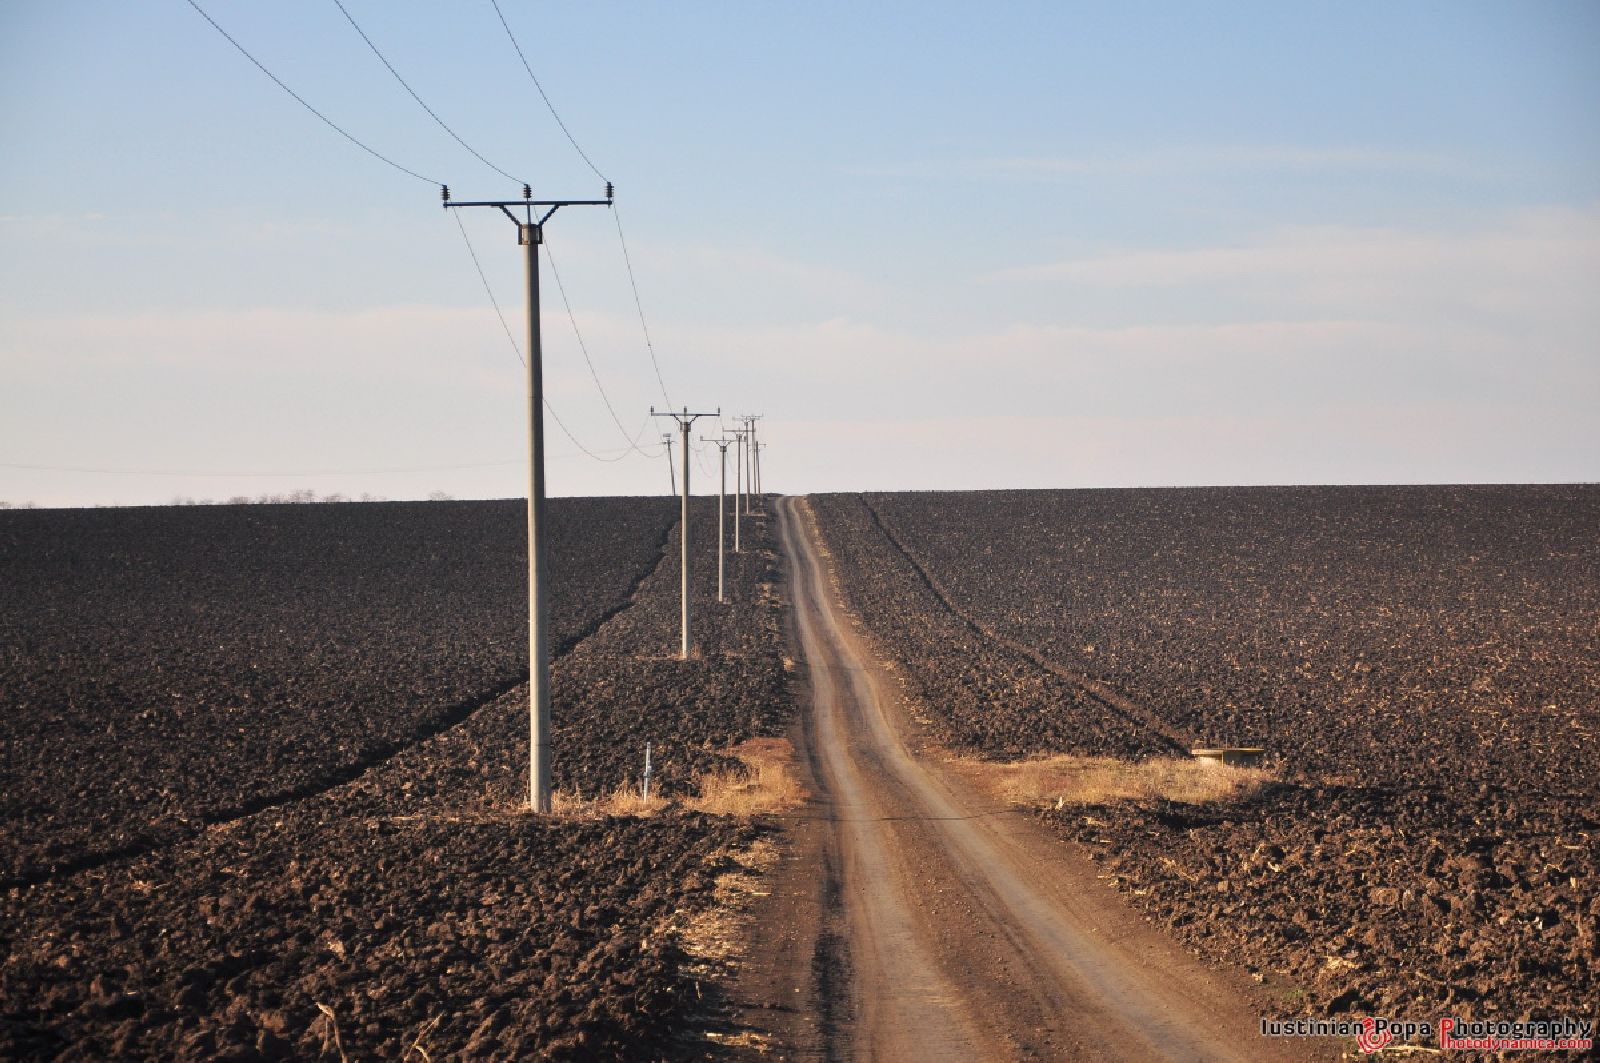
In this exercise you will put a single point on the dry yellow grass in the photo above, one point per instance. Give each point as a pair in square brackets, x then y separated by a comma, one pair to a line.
[1067, 780]
[625, 800]
[767, 783]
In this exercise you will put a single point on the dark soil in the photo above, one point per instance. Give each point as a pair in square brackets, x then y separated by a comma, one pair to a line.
[988, 698]
[165, 668]
[1423, 665]
[417, 901]
[1414, 903]
[1368, 633]
[504, 937]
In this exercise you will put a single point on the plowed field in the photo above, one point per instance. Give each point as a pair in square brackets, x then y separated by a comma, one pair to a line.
[1422, 665]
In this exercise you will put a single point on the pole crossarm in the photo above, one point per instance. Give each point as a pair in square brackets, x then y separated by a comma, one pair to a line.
[685, 417]
[528, 203]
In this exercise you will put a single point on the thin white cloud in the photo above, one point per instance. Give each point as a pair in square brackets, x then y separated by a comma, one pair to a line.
[1532, 274]
[1172, 162]
[1546, 241]
[1301, 320]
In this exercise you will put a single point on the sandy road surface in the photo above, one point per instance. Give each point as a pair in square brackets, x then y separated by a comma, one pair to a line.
[972, 933]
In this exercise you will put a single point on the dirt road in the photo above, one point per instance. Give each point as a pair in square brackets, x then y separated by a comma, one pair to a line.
[969, 931]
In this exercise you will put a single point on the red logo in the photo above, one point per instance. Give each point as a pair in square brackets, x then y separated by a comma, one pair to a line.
[1371, 1040]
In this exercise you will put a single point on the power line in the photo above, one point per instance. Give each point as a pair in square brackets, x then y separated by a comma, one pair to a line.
[489, 291]
[517, 350]
[330, 123]
[431, 113]
[532, 77]
[584, 347]
[477, 265]
[257, 474]
[639, 305]
[700, 460]
[615, 216]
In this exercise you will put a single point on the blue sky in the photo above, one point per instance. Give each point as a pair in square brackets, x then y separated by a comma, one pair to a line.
[937, 245]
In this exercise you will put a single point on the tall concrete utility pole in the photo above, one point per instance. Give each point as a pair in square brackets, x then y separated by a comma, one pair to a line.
[722, 520]
[530, 234]
[685, 419]
[672, 475]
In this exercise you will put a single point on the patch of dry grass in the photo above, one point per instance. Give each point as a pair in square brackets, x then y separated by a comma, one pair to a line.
[625, 800]
[768, 782]
[1057, 781]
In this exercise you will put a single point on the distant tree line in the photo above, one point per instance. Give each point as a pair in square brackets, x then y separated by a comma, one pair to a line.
[304, 496]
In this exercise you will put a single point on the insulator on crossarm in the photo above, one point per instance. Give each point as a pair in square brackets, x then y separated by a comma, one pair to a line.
[444, 193]
[610, 192]
[527, 193]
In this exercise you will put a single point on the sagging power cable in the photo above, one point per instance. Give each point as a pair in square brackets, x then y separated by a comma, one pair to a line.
[517, 350]
[633, 441]
[616, 216]
[534, 78]
[420, 102]
[330, 123]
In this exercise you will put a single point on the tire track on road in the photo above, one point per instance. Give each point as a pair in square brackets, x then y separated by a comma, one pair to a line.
[982, 937]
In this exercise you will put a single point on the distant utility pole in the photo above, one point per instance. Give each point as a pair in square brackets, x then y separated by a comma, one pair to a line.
[530, 234]
[672, 476]
[750, 420]
[685, 419]
[738, 488]
[758, 447]
[722, 520]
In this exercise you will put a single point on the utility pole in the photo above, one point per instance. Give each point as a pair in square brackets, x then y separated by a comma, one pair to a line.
[759, 448]
[672, 476]
[744, 464]
[722, 520]
[749, 468]
[530, 234]
[755, 444]
[750, 420]
[738, 489]
[685, 419]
